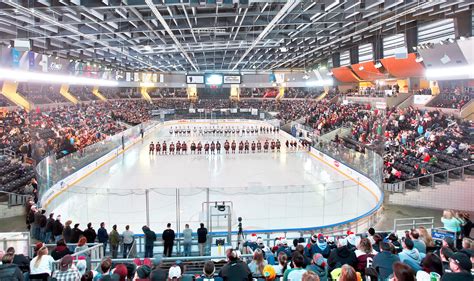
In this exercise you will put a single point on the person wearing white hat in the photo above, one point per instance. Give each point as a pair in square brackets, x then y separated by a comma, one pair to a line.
[174, 272]
[284, 248]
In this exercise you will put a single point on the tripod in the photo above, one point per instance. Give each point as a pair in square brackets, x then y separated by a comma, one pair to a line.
[240, 234]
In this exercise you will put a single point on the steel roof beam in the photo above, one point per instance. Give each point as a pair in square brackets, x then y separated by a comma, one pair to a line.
[160, 18]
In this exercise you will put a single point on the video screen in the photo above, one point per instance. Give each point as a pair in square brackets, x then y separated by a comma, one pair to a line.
[214, 79]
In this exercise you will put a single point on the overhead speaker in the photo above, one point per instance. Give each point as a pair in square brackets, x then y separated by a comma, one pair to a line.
[445, 59]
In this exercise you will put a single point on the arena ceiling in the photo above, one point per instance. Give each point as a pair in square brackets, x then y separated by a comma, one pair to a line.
[205, 35]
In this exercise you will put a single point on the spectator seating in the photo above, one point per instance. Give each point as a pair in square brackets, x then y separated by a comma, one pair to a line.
[451, 100]
[14, 175]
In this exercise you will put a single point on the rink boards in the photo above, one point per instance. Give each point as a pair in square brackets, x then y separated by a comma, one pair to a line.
[272, 192]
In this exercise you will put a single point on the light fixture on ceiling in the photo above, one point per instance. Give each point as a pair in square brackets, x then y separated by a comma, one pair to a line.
[441, 42]
[451, 40]
[283, 49]
[320, 83]
[148, 48]
[414, 48]
[451, 71]
[18, 75]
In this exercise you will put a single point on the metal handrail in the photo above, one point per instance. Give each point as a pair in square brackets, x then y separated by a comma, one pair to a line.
[89, 250]
[391, 186]
[415, 222]
[133, 249]
[15, 199]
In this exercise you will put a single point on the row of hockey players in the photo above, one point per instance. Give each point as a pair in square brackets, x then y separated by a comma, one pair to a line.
[223, 130]
[243, 147]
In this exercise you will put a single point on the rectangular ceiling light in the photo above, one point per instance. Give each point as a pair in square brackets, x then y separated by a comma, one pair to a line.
[27, 76]
[372, 3]
[332, 5]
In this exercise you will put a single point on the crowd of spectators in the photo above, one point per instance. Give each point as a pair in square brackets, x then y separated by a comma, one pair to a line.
[4, 101]
[252, 92]
[168, 93]
[421, 142]
[41, 94]
[302, 93]
[417, 142]
[65, 129]
[350, 257]
[452, 100]
[82, 93]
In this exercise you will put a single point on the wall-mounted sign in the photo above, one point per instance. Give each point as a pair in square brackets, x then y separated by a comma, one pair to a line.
[232, 79]
[195, 79]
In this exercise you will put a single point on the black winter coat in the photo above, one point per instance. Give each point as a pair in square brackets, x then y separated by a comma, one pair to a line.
[236, 271]
[75, 235]
[58, 228]
[341, 256]
[202, 235]
[90, 235]
[10, 272]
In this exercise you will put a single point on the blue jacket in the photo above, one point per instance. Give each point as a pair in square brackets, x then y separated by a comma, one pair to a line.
[321, 248]
[284, 249]
[383, 262]
[102, 235]
[322, 272]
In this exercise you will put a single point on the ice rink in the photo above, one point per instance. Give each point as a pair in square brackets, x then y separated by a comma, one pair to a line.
[290, 189]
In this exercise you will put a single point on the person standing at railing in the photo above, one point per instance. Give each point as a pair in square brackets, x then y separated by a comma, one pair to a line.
[76, 234]
[58, 228]
[103, 236]
[187, 240]
[202, 239]
[48, 229]
[42, 224]
[168, 237]
[89, 233]
[67, 231]
[150, 238]
[127, 237]
[114, 241]
[452, 222]
[36, 224]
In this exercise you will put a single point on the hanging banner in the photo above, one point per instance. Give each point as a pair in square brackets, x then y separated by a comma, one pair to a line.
[31, 60]
[15, 58]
